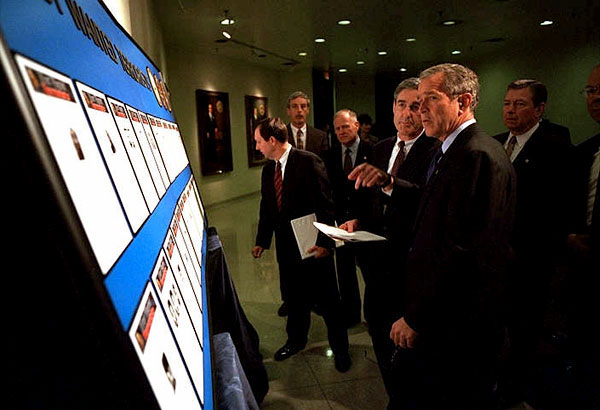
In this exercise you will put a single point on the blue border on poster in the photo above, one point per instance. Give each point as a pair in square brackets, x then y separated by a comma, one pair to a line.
[45, 31]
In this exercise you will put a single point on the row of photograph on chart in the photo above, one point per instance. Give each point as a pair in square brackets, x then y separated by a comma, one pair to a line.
[167, 329]
[117, 170]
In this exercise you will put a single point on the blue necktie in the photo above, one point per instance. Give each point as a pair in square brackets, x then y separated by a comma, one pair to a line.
[433, 164]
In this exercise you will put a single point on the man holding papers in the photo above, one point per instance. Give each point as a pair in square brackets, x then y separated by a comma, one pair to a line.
[294, 185]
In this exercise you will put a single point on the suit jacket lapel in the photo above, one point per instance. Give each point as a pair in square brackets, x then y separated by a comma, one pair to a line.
[288, 180]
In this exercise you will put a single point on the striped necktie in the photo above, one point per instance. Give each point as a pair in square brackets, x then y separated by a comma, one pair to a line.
[278, 181]
[300, 144]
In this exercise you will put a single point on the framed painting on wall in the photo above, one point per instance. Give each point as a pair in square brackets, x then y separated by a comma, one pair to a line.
[256, 111]
[214, 132]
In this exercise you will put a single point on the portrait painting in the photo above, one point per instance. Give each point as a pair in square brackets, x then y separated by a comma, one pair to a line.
[256, 111]
[214, 132]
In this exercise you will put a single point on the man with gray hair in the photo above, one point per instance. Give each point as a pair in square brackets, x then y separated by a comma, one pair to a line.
[406, 156]
[300, 135]
[452, 327]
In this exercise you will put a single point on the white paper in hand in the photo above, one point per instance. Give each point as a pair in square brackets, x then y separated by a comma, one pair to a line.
[305, 233]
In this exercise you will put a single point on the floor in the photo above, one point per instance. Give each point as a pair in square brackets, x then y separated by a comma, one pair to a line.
[308, 380]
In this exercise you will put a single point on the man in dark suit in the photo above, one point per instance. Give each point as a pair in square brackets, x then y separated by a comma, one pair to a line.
[295, 184]
[300, 135]
[584, 255]
[342, 159]
[540, 153]
[406, 156]
[452, 323]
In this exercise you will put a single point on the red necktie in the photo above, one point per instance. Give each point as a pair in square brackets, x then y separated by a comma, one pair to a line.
[399, 159]
[278, 184]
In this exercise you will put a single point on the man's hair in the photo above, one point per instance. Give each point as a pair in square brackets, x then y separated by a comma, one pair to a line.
[411, 83]
[273, 127]
[539, 93]
[458, 80]
[348, 112]
[298, 94]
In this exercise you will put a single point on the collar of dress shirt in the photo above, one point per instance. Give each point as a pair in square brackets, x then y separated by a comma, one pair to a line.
[521, 139]
[408, 144]
[295, 130]
[450, 138]
[283, 160]
[353, 147]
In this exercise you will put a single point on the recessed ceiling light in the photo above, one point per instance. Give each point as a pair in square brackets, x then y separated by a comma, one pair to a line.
[342, 70]
[319, 40]
[360, 62]
[226, 35]
[546, 23]
[382, 53]
[344, 22]
[303, 54]
[449, 22]
[455, 52]
[411, 39]
[227, 21]
[403, 69]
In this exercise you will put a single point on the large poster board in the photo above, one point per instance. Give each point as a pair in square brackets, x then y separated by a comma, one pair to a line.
[105, 113]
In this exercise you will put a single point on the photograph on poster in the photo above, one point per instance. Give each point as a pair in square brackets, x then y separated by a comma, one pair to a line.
[143, 329]
[181, 323]
[190, 294]
[155, 150]
[114, 154]
[256, 111]
[49, 85]
[159, 343]
[136, 156]
[214, 135]
[190, 262]
[138, 128]
[79, 160]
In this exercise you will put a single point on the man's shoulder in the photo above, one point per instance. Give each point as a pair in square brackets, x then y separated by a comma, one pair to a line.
[589, 145]
[501, 137]
[315, 131]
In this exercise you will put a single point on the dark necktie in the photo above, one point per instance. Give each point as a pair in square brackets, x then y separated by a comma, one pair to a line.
[399, 159]
[434, 162]
[347, 161]
[511, 146]
[300, 144]
[278, 181]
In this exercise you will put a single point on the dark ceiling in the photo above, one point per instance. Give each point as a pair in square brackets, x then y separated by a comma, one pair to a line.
[272, 33]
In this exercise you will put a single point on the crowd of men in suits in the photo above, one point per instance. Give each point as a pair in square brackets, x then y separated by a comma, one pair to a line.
[483, 293]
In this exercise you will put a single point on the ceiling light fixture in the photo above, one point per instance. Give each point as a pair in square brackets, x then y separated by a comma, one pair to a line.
[227, 20]
[226, 35]
[360, 62]
[344, 22]
[302, 53]
[455, 52]
[546, 23]
[403, 69]
[382, 53]
[342, 70]
[319, 40]
[410, 39]
[449, 22]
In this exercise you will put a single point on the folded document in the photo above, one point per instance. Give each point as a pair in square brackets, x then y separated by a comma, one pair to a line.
[341, 235]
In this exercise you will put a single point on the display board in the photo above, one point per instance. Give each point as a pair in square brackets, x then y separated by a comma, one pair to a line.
[104, 114]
